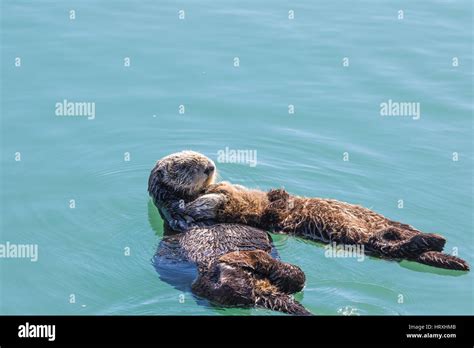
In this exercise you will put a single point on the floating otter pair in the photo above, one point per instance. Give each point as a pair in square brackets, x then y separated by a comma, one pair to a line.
[234, 264]
[183, 183]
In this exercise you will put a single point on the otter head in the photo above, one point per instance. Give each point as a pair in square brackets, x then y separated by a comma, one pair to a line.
[182, 175]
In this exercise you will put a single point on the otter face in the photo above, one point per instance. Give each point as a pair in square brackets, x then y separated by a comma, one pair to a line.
[187, 172]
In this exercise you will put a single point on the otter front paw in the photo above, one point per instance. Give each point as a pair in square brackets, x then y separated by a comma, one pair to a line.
[204, 207]
[277, 195]
[179, 220]
[178, 207]
[179, 225]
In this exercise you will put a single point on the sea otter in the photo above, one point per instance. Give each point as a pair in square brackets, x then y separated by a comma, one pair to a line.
[234, 264]
[325, 220]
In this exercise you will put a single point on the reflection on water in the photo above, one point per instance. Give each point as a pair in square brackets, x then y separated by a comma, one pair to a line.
[418, 267]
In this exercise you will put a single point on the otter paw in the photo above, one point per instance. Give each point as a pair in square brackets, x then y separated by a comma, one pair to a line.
[179, 225]
[275, 213]
[178, 207]
[277, 194]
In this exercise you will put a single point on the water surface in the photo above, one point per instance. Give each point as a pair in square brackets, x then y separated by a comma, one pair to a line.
[190, 62]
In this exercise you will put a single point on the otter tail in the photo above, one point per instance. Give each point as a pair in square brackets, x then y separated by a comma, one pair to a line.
[438, 259]
[282, 303]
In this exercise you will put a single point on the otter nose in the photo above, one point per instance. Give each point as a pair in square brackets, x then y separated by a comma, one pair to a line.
[210, 168]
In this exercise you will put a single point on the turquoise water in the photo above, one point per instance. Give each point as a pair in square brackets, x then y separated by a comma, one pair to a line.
[190, 62]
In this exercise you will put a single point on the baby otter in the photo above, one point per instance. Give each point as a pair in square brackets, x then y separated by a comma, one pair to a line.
[332, 221]
[319, 219]
[233, 261]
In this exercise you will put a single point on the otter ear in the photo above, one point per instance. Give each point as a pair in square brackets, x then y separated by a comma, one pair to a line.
[154, 181]
[156, 177]
[159, 174]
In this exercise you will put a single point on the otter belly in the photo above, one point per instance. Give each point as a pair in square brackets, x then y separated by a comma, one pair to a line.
[178, 256]
[203, 244]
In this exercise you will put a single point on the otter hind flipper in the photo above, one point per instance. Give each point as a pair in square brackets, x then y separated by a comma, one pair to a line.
[227, 285]
[282, 303]
[426, 242]
[275, 281]
[441, 260]
[399, 243]
[285, 277]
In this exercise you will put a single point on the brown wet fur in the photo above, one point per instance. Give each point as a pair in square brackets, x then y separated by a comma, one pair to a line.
[243, 206]
[246, 278]
[233, 260]
[329, 221]
[249, 278]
